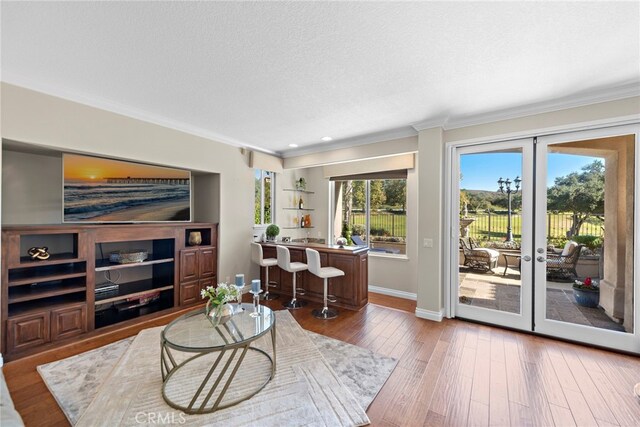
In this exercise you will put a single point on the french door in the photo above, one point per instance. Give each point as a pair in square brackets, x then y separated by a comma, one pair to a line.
[533, 216]
[485, 290]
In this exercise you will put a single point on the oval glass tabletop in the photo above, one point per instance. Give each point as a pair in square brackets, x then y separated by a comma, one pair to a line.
[194, 332]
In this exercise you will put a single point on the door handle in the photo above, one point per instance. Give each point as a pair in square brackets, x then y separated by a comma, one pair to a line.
[541, 259]
[540, 250]
[526, 258]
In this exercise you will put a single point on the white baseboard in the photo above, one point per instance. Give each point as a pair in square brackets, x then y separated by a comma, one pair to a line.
[393, 293]
[436, 316]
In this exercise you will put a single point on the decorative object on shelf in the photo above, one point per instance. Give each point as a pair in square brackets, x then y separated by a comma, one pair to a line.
[218, 309]
[341, 241]
[286, 239]
[587, 293]
[272, 231]
[301, 184]
[126, 257]
[195, 238]
[239, 286]
[300, 204]
[256, 291]
[302, 224]
[307, 221]
[39, 253]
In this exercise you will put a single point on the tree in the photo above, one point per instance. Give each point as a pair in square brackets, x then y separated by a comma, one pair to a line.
[395, 191]
[377, 198]
[581, 193]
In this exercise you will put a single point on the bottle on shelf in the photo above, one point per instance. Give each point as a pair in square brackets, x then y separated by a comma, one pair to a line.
[300, 204]
[302, 222]
[295, 201]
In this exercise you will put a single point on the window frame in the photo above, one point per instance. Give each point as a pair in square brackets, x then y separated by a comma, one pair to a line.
[367, 189]
[272, 176]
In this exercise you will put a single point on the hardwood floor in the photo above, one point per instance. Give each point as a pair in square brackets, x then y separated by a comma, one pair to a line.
[451, 373]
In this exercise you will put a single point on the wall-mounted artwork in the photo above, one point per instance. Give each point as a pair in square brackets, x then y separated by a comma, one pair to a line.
[106, 190]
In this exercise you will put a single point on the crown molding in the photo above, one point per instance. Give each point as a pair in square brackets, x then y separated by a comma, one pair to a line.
[127, 111]
[438, 122]
[371, 138]
[612, 93]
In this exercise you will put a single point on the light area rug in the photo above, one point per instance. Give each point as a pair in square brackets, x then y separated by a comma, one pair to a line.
[319, 381]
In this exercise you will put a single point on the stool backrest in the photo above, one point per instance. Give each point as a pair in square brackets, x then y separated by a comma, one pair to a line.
[284, 258]
[313, 261]
[256, 253]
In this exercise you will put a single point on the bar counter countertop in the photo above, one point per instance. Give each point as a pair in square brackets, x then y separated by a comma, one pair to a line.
[350, 290]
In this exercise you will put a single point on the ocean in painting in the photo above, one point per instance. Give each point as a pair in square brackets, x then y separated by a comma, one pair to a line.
[126, 202]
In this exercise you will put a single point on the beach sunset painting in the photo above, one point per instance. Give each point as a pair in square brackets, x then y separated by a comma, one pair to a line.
[105, 190]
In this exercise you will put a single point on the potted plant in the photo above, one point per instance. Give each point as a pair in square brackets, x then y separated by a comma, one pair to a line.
[301, 184]
[218, 308]
[587, 293]
[272, 231]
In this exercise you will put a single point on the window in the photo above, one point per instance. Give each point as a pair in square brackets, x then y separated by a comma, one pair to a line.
[264, 197]
[374, 210]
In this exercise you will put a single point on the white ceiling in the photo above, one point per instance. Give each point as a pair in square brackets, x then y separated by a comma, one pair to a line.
[270, 74]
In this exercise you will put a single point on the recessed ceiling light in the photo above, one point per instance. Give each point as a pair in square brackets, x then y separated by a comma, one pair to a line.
[293, 145]
[327, 138]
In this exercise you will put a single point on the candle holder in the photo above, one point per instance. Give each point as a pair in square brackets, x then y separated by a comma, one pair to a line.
[256, 303]
[239, 287]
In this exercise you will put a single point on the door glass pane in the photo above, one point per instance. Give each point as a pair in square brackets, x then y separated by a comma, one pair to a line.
[490, 230]
[590, 229]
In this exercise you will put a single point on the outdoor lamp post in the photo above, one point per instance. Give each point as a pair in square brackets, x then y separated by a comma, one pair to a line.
[505, 187]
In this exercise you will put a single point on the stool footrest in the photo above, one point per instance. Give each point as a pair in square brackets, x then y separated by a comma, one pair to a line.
[269, 296]
[332, 298]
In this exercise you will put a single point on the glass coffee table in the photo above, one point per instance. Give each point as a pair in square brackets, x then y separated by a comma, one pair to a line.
[206, 368]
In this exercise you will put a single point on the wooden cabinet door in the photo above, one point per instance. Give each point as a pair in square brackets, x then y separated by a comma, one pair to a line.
[28, 331]
[188, 265]
[189, 293]
[206, 262]
[274, 277]
[203, 283]
[344, 287]
[313, 285]
[68, 322]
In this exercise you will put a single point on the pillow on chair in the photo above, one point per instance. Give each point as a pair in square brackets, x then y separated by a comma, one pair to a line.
[568, 248]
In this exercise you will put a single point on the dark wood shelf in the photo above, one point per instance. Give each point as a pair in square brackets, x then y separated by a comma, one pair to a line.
[298, 191]
[106, 265]
[52, 303]
[30, 293]
[27, 261]
[112, 315]
[35, 276]
[132, 290]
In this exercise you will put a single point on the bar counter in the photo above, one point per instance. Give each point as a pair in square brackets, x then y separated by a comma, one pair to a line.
[350, 290]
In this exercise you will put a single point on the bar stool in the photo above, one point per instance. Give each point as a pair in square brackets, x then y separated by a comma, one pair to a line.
[313, 260]
[284, 262]
[257, 256]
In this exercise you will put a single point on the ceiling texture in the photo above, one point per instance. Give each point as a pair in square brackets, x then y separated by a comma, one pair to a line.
[269, 74]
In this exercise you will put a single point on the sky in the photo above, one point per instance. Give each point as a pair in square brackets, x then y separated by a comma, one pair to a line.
[86, 168]
[481, 171]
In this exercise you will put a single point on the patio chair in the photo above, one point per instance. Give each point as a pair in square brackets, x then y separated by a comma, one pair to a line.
[359, 242]
[478, 258]
[563, 265]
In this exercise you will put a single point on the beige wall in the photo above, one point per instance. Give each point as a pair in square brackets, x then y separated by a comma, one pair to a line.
[36, 118]
[39, 119]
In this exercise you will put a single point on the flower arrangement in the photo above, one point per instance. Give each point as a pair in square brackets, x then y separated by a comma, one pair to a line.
[219, 295]
[587, 285]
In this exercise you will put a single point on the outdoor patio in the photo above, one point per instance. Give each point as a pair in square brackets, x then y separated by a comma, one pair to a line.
[499, 292]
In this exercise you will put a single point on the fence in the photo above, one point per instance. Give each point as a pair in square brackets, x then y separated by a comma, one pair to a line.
[393, 224]
[493, 225]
